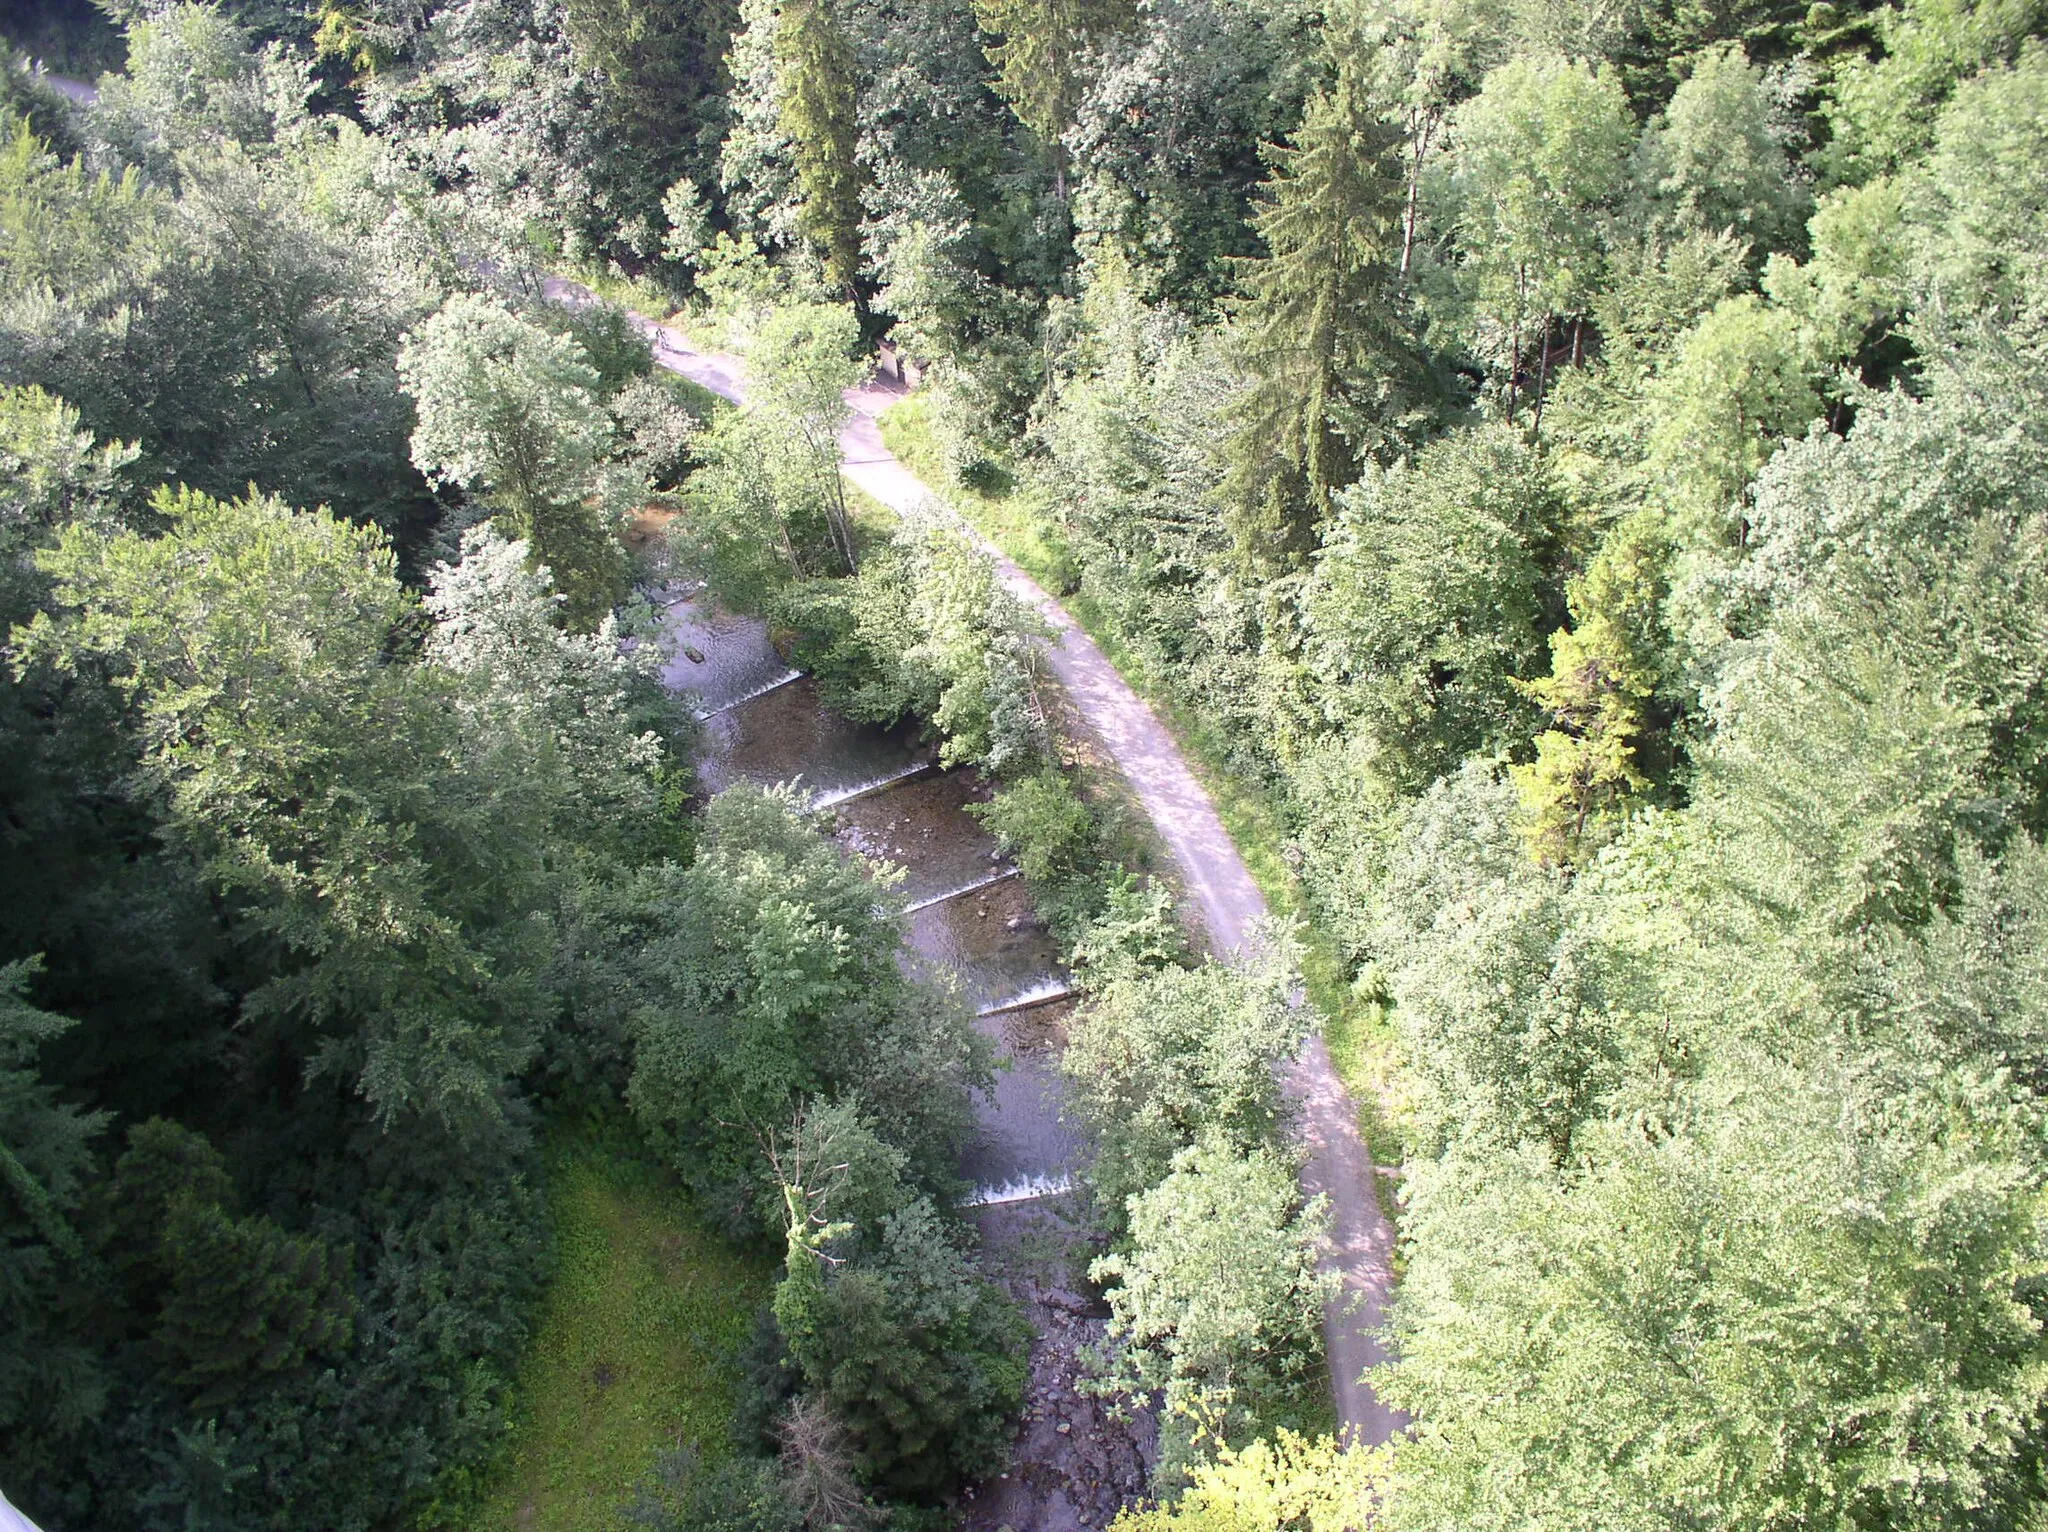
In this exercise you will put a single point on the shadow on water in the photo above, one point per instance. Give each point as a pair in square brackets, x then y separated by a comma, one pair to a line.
[887, 800]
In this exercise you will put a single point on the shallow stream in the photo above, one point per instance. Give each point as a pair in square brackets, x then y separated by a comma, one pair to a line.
[968, 918]
[1075, 1460]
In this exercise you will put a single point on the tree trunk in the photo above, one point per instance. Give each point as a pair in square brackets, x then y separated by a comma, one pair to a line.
[1423, 131]
[1514, 370]
[1542, 373]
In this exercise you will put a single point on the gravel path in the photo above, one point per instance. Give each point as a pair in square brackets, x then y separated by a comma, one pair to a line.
[1213, 871]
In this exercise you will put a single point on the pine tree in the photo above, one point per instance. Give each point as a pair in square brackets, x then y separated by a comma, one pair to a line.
[247, 1301]
[1320, 314]
[815, 104]
[1037, 61]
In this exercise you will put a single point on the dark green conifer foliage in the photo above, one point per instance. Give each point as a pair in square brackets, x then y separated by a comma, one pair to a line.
[815, 70]
[1036, 52]
[247, 1301]
[1321, 313]
[47, 1382]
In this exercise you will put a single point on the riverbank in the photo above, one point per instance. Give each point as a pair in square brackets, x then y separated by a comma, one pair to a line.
[1337, 1162]
[1360, 1040]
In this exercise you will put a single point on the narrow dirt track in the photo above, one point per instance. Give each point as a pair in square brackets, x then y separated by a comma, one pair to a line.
[1213, 871]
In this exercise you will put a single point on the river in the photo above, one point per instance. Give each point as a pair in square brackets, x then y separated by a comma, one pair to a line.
[969, 922]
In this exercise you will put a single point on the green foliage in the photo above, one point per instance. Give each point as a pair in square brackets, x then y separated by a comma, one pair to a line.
[252, 641]
[741, 1495]
[1716, 157]
[49, 1384]
[1540, 155]
[1160, 1058]
[1604, 671]
[226, 330]
[1757, 1275]
[1739, 383]
[766, 972]
[1882, 106]
[1656, 1085]
[1137, 931]
[1217, 1301]
[1511, 1012]
[1280, 1484]
[1321, 321]
[1428, 601]
[510, 410]
[193, 80]
[1043, 825]
[1167, 139]
[815, 92]
[769, 507]
[246, 1300]
[926, 630]
[1664, 761]
[656, 74]
[1036, 48]
[919, 1355]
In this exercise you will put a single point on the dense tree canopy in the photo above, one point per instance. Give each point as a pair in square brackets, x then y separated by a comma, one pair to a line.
[1575, 473]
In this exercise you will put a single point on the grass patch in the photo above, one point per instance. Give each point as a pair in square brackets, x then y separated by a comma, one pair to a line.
[638, 295]
[1358, 1032]
[634, 1353]
[695, 397]
[907, 432]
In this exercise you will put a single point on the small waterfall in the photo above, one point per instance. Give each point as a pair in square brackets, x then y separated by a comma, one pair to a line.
[833, 799]
[1044, 992]
[966, 888]
[1028, 1189]
[760, 691]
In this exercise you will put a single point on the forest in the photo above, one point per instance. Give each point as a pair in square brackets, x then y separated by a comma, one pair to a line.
[1572, 477]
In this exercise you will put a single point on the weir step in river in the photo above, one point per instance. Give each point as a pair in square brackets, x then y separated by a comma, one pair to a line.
[1030, 1189]
[835, 798]
[706, 714]
[962, 891]
[967, 923]
[1044, 992]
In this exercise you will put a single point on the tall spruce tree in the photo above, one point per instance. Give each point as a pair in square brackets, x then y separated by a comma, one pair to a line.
[815, 98]
[1037, 57]
[1321, 310]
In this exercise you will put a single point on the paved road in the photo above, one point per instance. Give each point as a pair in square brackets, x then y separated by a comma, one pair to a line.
[1338, 1164]
[84, 95]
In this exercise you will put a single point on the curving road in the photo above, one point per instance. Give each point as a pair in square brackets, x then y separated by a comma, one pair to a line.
[1337, 1163]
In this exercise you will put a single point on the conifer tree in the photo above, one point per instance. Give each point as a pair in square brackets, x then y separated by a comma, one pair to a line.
[1037, 60]
[247, 1300]
[815, 107]
[48, 1382]
[1320, 312]
[1603, 673]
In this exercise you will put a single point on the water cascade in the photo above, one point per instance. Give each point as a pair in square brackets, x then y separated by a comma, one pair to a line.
[833, 799]
[1026, 1189]
[760, 691]
[961, 892]
[1044, 992]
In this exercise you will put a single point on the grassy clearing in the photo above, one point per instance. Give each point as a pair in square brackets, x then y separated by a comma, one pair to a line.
[635, 294]
[634, 1352]
[1004, 516]
[1359, 1035]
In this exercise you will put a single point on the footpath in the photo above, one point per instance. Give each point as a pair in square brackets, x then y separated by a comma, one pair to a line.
[1337, 1165]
